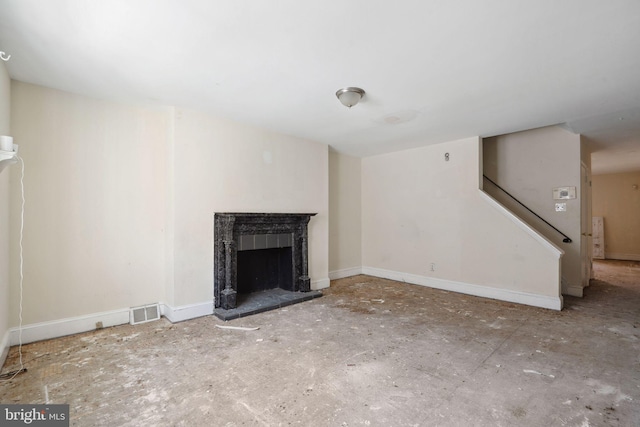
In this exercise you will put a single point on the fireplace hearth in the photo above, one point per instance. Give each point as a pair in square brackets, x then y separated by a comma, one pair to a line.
[260, 262]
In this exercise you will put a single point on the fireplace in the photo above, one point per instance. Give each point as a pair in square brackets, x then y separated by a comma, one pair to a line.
[260, 262]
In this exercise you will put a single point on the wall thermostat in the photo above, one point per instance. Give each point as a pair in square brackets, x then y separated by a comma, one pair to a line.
[563, 193]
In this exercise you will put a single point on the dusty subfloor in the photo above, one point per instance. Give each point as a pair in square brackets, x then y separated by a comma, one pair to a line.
[369, 352]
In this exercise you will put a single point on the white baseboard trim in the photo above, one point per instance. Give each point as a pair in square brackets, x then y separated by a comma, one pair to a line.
[4, 348]
[543, 301]
[345, 272]
[568, 289]
[74, 325]
[186, 312]
[574, 291]
[623, 257]
[316, 285]
[71, 325]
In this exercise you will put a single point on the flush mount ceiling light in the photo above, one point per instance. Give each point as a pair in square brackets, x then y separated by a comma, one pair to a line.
[350, 96]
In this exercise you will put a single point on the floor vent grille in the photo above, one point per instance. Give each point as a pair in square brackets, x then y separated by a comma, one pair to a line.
[144, 314]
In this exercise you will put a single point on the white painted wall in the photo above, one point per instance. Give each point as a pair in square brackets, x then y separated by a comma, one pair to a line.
[5, 98]
[121, 198]
[345, 237]
[529, 165]
[618, 202]
[120, 204]
[223, 166]
[95, 202]
[419, 209]
[586, 221]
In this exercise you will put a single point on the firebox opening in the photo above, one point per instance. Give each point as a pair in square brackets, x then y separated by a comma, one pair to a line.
[263, 269]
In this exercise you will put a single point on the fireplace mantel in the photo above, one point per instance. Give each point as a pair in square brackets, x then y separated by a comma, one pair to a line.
[229, 227]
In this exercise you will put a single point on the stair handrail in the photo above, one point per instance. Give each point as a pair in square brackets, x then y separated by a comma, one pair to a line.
[566, 239]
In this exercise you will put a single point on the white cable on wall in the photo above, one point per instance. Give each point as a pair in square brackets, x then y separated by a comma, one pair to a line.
[21, 258]
[21, 269]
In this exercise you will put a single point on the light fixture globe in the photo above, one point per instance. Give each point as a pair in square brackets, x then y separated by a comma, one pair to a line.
[350, 96]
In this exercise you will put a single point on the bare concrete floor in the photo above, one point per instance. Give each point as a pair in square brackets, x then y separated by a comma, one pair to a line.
[369, 352]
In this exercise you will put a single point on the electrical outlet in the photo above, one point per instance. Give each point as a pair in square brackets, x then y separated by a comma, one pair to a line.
[433, 266]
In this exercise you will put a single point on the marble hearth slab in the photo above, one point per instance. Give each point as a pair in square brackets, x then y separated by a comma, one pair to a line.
[258, 302]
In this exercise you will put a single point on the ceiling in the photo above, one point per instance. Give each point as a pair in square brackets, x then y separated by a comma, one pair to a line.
[433, 71]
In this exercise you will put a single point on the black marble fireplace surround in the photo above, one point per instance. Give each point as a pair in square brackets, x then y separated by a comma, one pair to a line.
[277, 236]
